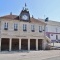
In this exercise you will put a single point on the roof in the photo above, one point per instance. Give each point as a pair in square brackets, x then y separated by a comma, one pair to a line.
[51, 22]
[37, 21]
[9, 17]
[54, 23]
[15, 17]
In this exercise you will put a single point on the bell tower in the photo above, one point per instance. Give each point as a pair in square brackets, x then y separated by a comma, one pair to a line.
[24, 15]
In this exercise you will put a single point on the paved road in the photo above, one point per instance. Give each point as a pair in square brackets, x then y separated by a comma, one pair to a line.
[53, 58]
[30, 55]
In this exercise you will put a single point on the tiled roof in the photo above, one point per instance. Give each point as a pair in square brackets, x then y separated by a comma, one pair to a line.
[9, 17]
[37, 21]
[15, 17]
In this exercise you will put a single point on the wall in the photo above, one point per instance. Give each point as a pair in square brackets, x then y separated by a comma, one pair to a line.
[53, 28]
[20, 32]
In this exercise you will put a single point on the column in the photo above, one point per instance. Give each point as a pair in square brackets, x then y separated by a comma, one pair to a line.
[28, 44]
[37, 44]
[19, 44]
[0, 44]
[43, 44]
[10, 44]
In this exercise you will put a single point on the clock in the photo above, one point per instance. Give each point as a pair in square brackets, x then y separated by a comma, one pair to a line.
[25, 17]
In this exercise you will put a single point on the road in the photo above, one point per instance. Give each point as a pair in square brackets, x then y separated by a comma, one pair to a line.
[53, 58]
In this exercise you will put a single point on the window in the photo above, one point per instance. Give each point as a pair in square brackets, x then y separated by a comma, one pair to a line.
[6, 26]
[40, 28]
[32, 28]
[51, 34]
[15, 27]
[56, 37]
[24, 27]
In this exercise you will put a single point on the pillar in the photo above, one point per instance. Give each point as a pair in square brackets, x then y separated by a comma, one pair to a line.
[10, 44]
[44, 44]
[0, 44]
[28, 44]
[19, 44]
[37, 44]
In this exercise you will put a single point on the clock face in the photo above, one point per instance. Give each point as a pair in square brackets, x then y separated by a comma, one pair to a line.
[24, 17]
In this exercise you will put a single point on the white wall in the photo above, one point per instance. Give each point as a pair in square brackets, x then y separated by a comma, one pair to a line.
[55, 30]
[53, 37]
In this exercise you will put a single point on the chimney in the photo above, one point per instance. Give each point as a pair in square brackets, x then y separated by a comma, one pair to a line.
[32, 16]
[46, 20]
[10, 13]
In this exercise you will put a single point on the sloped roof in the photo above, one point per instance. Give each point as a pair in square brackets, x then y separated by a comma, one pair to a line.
[36, 21]
[9, 17]
[15, 17]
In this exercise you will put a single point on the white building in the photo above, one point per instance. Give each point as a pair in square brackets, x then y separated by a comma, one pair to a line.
[52, 30]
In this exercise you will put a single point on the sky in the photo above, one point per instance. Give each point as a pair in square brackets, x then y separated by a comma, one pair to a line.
[37, 8]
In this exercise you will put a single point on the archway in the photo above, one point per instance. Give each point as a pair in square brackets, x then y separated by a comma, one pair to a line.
[15, 44]
[24, 44]
[32, 44]
[39, 44]
[5, 44]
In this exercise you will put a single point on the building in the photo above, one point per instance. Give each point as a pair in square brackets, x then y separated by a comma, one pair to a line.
[22, 32]
[53, 30]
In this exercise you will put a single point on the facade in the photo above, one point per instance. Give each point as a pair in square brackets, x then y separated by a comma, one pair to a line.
[22, 32]
[53, 30]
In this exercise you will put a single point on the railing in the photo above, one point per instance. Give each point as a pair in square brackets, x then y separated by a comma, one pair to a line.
[48, 39]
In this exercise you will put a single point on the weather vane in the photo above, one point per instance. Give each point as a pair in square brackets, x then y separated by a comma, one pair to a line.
[25, 5]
